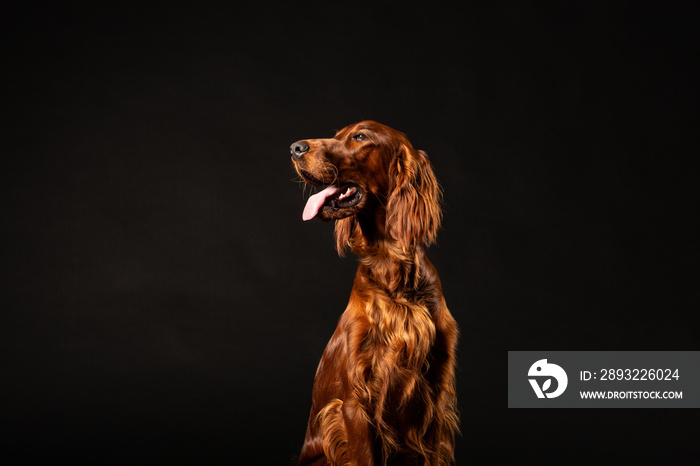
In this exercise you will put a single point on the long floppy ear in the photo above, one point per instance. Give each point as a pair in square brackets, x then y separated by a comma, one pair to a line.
[413, 211]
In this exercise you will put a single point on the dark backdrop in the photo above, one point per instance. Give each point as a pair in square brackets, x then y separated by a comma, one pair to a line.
[163, 300]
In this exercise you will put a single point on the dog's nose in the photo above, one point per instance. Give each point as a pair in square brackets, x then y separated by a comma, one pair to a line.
[298, 149]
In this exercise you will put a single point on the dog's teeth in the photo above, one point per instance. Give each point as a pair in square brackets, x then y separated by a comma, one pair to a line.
[347, 193]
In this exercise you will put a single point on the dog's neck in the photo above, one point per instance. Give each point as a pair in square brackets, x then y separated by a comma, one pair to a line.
[394, 267]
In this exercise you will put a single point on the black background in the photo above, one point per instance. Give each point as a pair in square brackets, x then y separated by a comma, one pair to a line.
[163, 300]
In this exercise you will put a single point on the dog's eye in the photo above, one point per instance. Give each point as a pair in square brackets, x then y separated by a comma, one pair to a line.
[359, 137]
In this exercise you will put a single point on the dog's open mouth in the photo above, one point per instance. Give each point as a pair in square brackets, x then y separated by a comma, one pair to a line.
[334, 197]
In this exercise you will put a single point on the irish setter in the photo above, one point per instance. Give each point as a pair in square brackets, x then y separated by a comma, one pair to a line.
[384, 392]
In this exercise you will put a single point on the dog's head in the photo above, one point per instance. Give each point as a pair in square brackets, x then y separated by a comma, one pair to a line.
[370, 170]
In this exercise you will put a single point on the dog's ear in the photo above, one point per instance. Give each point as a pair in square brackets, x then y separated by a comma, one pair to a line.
[413, 212]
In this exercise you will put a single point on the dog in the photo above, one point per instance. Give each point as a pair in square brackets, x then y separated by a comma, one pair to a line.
[384, 391]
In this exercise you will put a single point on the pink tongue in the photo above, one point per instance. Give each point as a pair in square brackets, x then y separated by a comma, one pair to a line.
[313, 205]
